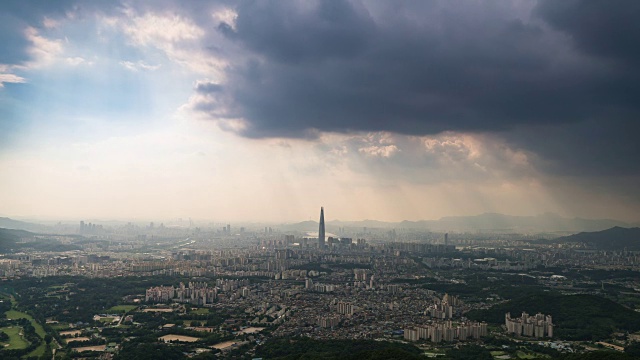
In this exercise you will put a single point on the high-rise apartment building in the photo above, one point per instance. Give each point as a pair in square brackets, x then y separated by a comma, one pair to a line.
[538, 325]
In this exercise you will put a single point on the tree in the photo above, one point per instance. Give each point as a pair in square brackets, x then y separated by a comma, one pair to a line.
[149, 351]
[48, 354]
[633, 350]
[470, 352]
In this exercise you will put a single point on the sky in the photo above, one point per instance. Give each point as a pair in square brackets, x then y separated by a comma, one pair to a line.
[267, 110]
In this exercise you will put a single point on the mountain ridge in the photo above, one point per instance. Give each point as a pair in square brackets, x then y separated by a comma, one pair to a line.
[615, 238]
[486, 222]
[9, 223]
[546, 222]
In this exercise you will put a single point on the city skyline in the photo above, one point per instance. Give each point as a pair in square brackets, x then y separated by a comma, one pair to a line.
[240, 111]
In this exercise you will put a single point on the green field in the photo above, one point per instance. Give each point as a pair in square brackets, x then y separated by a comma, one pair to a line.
[13, 314]
[15, 340]
[60, 326]
[435, 353]
[526, 355]
[199, 311]
[106, 320]
[122, 308]
[39, 351]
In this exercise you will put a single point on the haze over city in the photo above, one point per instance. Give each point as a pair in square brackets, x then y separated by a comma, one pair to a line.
[319, 179]
[245, 111]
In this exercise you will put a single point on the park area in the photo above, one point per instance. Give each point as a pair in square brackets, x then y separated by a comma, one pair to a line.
[118, 309]
[16, 337]
[16, 341]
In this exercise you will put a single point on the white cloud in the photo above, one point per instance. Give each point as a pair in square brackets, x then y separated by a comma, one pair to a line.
[158, 30]
[140, 65]
[77, 60]
[225, 15]
[10, 78]
[379, 151]
[50, 23]
[453, 147]
[43, 51]
[179, 38]
[145, 66]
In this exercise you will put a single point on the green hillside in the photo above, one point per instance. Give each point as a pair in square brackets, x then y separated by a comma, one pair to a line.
[304, 348]
[577, 317]
[616, 238]
[9, 238]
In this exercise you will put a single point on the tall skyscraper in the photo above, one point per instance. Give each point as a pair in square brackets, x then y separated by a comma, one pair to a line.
[321, 229]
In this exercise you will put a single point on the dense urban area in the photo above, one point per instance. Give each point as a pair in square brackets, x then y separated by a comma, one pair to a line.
[151, 291]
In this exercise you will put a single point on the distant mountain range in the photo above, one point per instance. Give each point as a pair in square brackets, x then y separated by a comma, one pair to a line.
[8, 223]
[616, 238]
[489, 222]
[12, 241]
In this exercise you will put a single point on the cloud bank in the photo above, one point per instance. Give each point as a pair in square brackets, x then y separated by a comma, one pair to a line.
[559, 79]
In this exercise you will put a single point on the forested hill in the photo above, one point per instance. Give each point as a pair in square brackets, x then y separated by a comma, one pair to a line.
[12, 241]
[577, 317]
[615, 238]
[9, 239]
[305, 348]
[8, 223]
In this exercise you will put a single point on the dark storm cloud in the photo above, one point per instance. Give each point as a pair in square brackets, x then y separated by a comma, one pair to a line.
[605, 141]
[289, 33]
[594, 147]
[598, 27]
[423, 68]
[397, 74]
[208, 87]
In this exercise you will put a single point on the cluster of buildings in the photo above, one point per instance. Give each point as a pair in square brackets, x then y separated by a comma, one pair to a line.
[538, 325]
[485, 263]
[346, 308]
[89, 228]
[342, 308]
[443, 309]
[197, 293]
[318, 287]
[420, 248]
[329, 321]
[447, 331]
[194, 293]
